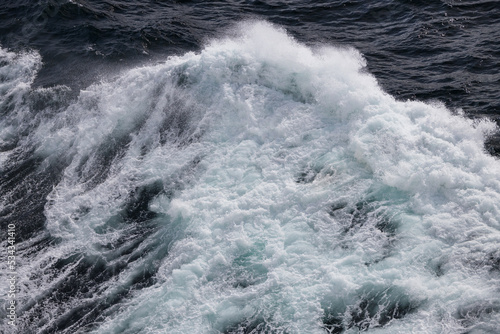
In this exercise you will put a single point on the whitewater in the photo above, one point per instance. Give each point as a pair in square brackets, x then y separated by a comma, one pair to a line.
[257, 186]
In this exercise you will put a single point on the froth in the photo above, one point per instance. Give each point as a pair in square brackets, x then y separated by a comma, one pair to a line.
[296, 195]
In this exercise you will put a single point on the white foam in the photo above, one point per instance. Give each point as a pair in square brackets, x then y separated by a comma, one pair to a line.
[288, 139]
[282, 108]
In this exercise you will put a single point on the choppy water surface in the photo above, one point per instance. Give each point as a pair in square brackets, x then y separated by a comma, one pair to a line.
[314, 168]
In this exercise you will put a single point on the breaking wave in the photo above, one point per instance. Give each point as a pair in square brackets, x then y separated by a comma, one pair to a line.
[258, 186]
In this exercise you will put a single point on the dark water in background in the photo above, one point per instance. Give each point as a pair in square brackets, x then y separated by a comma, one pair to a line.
[444, 50]
[417, 50]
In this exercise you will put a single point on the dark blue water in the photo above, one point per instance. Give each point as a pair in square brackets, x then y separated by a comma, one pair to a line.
[137, 180]
[442, 50]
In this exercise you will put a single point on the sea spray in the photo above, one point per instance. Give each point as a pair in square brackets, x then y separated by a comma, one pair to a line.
[264, 186]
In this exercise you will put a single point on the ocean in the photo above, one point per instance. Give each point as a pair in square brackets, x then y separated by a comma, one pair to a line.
[249, 166]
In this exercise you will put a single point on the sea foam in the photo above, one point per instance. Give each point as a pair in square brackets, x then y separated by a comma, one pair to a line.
[293, 195]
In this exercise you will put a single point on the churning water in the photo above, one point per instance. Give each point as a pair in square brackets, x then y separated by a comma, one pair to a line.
[258, 185]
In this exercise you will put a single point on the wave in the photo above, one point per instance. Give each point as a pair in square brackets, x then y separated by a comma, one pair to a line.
[256, 186]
